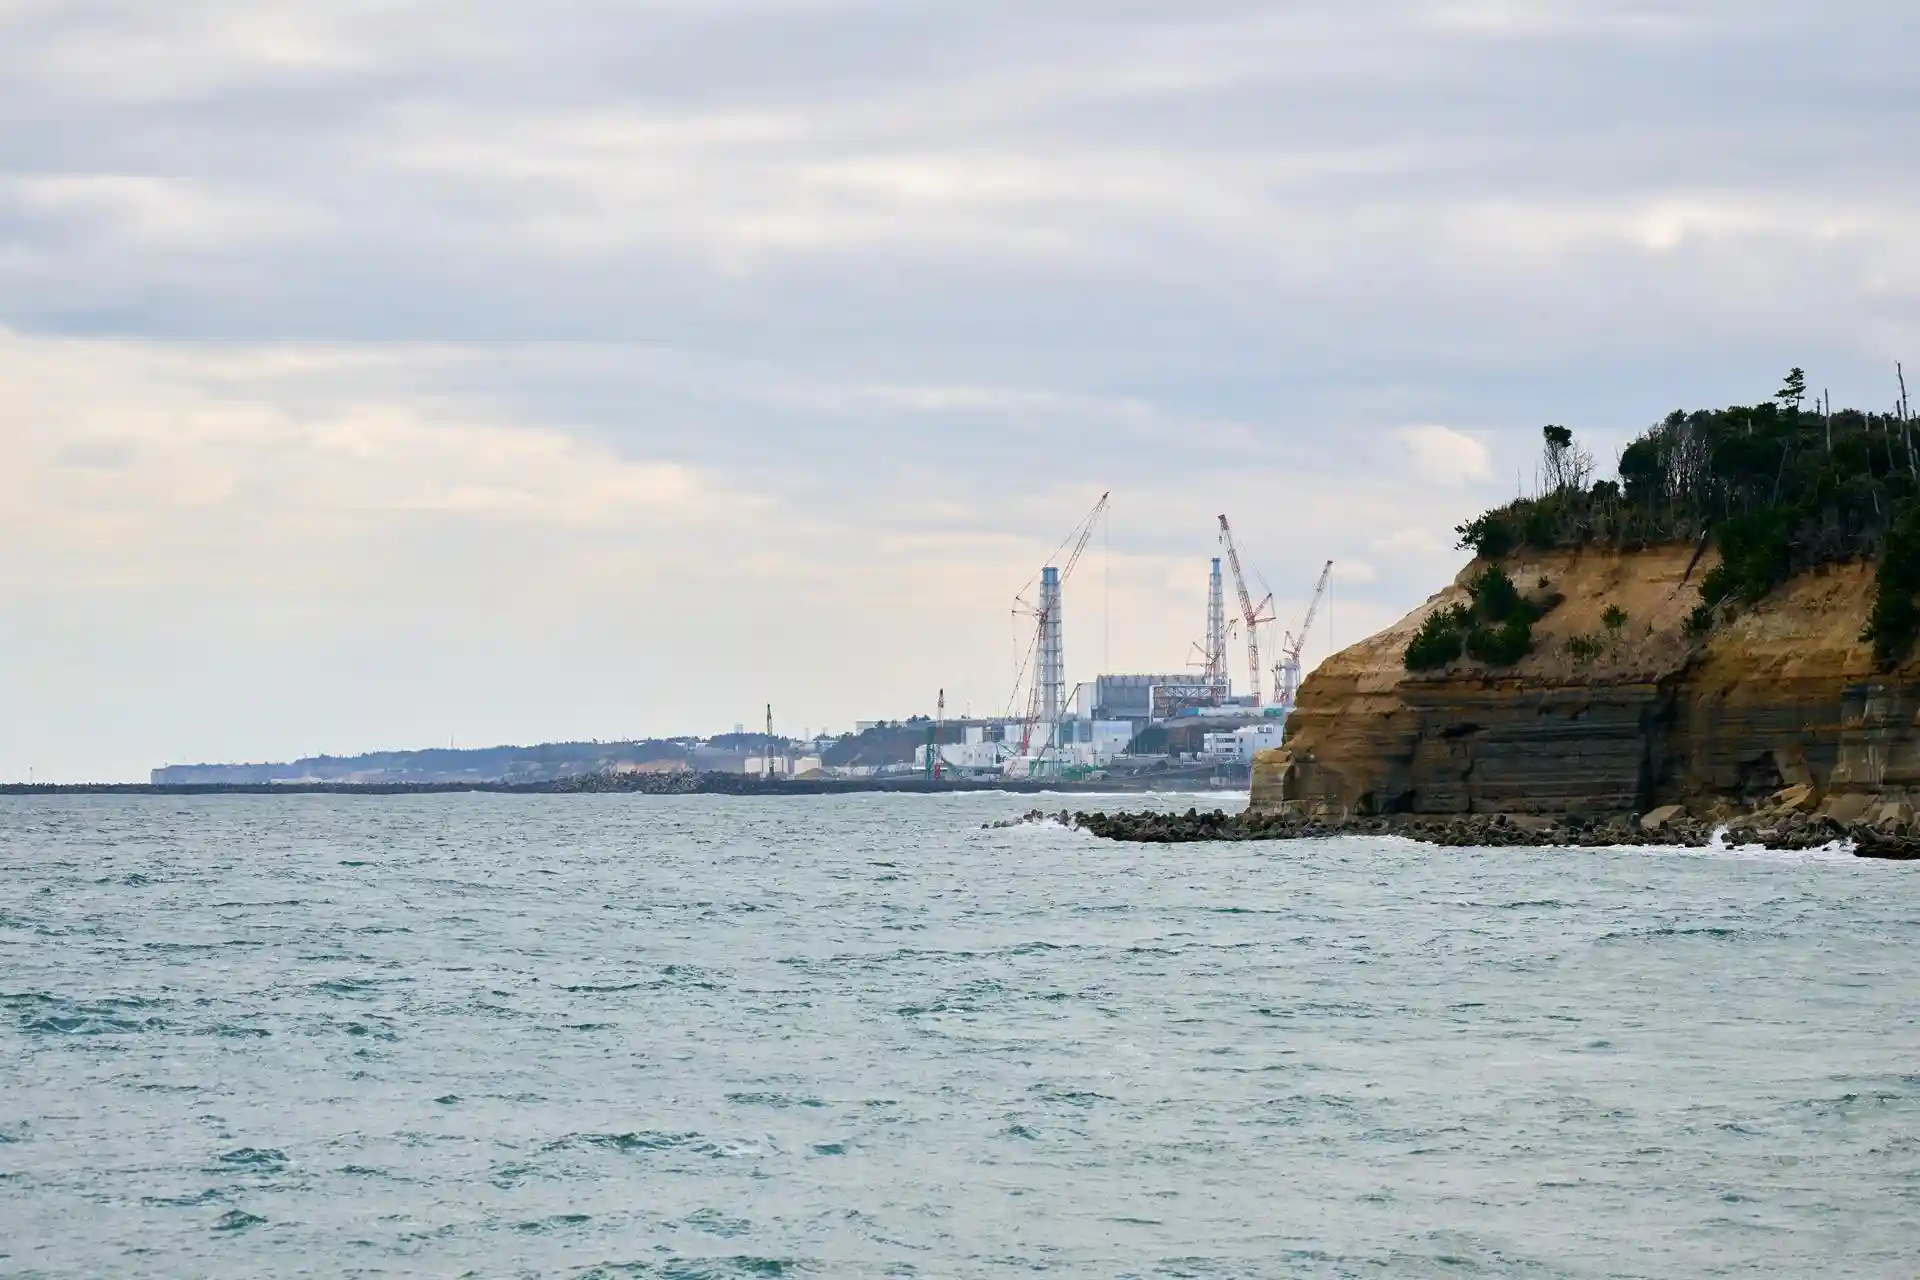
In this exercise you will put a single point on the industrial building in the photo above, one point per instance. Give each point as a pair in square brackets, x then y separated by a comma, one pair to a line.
[1102, 719]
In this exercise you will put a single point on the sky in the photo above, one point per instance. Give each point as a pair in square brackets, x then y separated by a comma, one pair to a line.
[391, 373]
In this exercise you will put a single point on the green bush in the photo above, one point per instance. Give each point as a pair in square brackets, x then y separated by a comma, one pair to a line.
[1497, 628]
[1895, 620]
[1584, 649]
[1490, 536]
[1495, 598]
[1504, 644]
[1754, 558]
[1436, 643]
[1614, 619]
[1776, 488]
[1539, 528]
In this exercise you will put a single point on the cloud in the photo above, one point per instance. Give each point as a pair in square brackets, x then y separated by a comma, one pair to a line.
[1445, 456]
[123, 463]
[674, 354]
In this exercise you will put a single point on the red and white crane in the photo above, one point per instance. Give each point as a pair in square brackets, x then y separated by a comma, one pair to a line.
[1255, 616]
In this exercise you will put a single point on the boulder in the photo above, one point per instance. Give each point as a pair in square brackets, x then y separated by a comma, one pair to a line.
[1801, 797]
[1848, 808]
[1894, 815]
[1662, 818]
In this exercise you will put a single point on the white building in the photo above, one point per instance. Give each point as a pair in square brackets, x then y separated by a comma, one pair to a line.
[975, 755]
[757, 766]
[1243, 744]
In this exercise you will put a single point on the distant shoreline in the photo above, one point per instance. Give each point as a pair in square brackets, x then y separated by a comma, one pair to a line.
[633, 784]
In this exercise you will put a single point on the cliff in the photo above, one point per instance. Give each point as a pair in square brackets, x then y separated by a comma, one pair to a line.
[1599, 720]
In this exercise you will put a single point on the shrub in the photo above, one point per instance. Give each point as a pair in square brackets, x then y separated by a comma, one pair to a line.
[1754, 558]
[1701, 620]
[1502, 645]
[1539, 528]
[1495, 598]
[1895, 620]
[1489, 536]
[1614, 619]
[1584, 649]
[1496, 629]
[1436, 643]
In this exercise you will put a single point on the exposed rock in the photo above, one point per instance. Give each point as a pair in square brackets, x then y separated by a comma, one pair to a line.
[1851, 807]
[1460, 831]
[1783, 700]
[1801, 797]
[1895, 815]
[1662, 818]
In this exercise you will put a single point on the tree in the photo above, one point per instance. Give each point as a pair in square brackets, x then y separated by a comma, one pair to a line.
[1795, 391]
[1567, 465]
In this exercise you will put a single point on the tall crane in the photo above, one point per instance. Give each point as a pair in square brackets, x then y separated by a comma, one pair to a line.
[1047, 658]
[1288, 671]
[1255, 616]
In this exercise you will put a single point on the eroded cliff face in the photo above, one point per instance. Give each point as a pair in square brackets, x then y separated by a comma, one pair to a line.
[1787, 693]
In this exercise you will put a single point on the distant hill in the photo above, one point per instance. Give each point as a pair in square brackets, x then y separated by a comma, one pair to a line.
[542, 762]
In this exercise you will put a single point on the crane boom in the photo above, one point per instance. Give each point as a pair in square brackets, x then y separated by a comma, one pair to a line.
[1295, 643]
[1299, 642]
[1254, 617]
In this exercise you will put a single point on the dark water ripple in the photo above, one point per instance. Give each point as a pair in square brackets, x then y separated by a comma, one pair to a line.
[858, 1036]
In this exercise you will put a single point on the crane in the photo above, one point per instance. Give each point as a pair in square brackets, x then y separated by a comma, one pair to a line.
[1256, 616]
[1045, 657]
[1288, 672]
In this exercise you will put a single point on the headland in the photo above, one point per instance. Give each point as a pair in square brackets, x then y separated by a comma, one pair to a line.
[1721, 637]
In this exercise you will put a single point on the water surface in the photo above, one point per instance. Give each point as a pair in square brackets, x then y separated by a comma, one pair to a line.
[860, 1036]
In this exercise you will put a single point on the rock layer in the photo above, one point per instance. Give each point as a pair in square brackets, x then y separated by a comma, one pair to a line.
[1611, 721]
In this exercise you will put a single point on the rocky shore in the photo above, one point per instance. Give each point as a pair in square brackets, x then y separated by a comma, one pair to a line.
[1773, 830]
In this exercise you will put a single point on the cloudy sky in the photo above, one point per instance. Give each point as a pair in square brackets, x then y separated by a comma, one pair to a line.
[375, 373]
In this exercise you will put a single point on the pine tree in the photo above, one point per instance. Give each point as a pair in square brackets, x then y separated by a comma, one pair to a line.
[1795, 391]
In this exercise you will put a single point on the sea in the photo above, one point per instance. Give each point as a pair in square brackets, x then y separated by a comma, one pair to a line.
[868, 1035]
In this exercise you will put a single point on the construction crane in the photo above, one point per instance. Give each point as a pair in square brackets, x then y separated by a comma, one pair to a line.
[1288, 670]
[1046, 694]
[1255, 616]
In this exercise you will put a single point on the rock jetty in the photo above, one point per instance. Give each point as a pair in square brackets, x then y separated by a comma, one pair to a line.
[1791, 830]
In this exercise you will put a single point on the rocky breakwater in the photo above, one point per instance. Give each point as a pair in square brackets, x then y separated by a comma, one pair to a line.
[1672, 826]
[1776, 719]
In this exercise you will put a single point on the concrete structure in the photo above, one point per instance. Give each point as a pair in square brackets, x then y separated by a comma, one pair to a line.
[1185, 696]
[1124, 697]
[1051, 675]
[1216, 644]
[782, 766]
[979, 757]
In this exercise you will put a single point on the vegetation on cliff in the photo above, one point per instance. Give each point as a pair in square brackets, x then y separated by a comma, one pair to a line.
[1776, 488]
[1496, 628]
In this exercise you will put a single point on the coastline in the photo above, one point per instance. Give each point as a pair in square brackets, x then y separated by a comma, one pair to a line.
[724, 784]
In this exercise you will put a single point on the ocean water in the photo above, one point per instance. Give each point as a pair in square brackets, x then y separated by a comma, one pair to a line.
[860, 1036]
